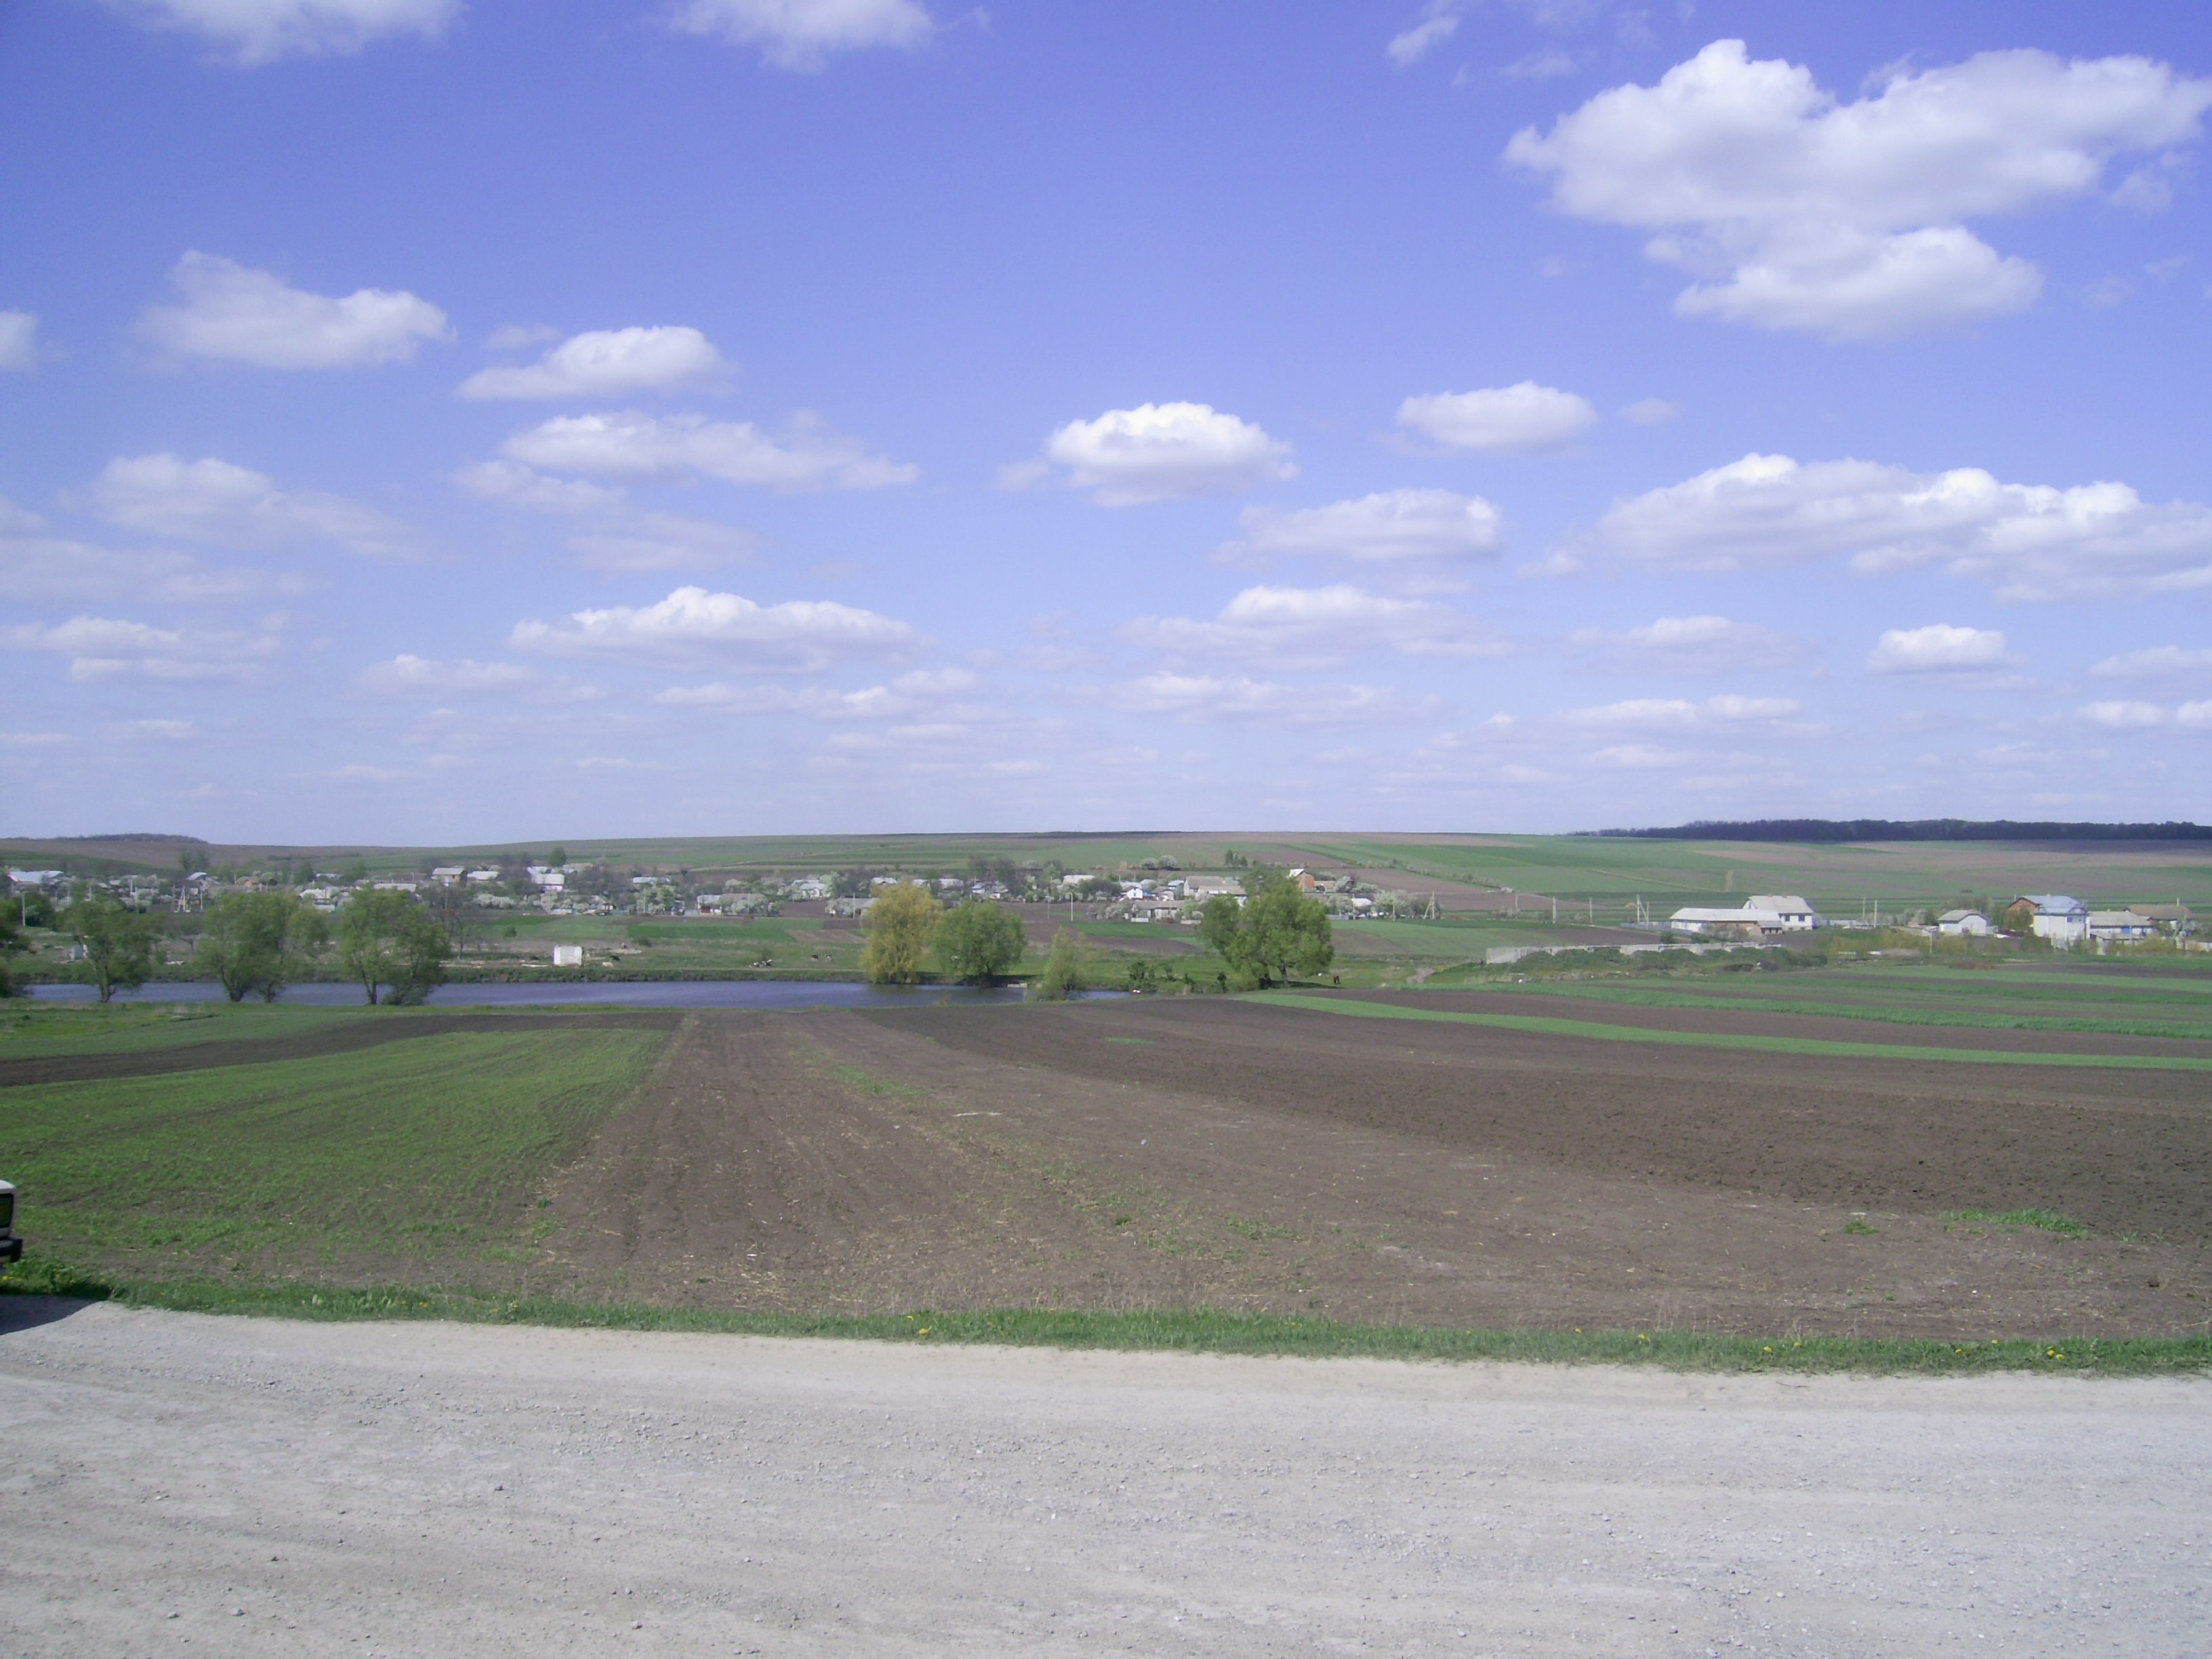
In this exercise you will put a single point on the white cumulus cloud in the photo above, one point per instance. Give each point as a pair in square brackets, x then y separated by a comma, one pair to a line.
[1316, 625]
[1680, 713]
[603, 363]
[231, 313]
[606, 531]
[1794, 210]
[38, 567]
[111, 648]
[801, 35]
[629, 443]
[1939, 648]
[1407, 530]
[2124, 716]
[2031, 541]
[1239, 697]
[1688, 645]
[1158, 451]
[2157, 662]
[213, 500]
[409, 675]
[1410, 46]
[1504, 420]
[901, 698]
[694, 625]
[249, 32]
[19, 342]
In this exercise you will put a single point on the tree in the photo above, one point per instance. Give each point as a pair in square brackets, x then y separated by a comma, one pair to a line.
[118, 942]
[258, 942]
[1067, 967]
[899, 926]
[384, 937]
[1278, 933]
[455, 909]
[8, 943]
[979, 940]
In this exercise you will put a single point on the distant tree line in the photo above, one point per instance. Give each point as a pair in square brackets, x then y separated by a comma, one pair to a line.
[1833, 830]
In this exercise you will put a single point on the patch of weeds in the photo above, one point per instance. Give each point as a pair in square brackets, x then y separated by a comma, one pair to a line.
[863, 1081]
[1134, 1042]
[1855, 1225]
[2049, 1221]
[1257, 1229]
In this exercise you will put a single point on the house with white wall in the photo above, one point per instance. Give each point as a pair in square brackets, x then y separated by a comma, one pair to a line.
[1757, 917]
[2058, 917]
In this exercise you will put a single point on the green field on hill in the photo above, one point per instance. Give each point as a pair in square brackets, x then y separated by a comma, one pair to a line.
[1609, 873]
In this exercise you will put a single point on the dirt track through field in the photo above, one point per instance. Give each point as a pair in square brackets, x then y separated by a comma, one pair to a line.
[179, 1485]
[331, 1039]
[1203, 1153]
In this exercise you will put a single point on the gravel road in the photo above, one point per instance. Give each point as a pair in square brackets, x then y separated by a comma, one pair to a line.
[173, 1485]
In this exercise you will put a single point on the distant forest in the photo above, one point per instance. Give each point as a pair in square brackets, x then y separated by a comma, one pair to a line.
[1917, 830]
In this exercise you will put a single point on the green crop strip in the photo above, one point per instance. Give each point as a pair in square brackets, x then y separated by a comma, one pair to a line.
[1772, 1045]
[1180, 1330]
[410, 1151]
[2198, 1031]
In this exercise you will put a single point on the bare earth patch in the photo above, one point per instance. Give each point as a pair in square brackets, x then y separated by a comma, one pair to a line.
[1195, 1152]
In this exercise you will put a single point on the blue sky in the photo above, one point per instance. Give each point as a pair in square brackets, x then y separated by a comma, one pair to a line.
[439, 420]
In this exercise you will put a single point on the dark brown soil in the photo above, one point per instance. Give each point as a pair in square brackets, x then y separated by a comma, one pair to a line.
[1190, 1151]
[336, 1039]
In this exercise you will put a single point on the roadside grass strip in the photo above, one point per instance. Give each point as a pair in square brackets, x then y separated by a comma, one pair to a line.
[1543, 1025]
[1171, 1330]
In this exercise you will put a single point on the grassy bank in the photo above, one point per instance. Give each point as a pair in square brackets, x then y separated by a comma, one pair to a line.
[1178, 1330]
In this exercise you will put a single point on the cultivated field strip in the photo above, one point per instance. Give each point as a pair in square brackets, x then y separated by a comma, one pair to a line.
[1707, 1028]
[1156, 1153]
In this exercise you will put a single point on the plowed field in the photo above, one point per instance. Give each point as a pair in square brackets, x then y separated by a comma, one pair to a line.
[1238, 1154]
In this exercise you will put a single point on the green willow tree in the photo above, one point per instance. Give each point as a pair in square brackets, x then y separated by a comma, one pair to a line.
[386, 938]
[118, 941]
[1278, 934]
[1067, 969]
[900, 925]
[978, 941]
[257, 943]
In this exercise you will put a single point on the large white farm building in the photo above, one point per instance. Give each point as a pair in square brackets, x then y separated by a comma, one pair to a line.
[1761, 914]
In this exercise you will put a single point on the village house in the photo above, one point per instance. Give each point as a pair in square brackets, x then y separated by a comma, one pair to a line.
[1964, 924]
[1759, 915]
[2120, 925]
[2063, 920]
[1206, 887]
